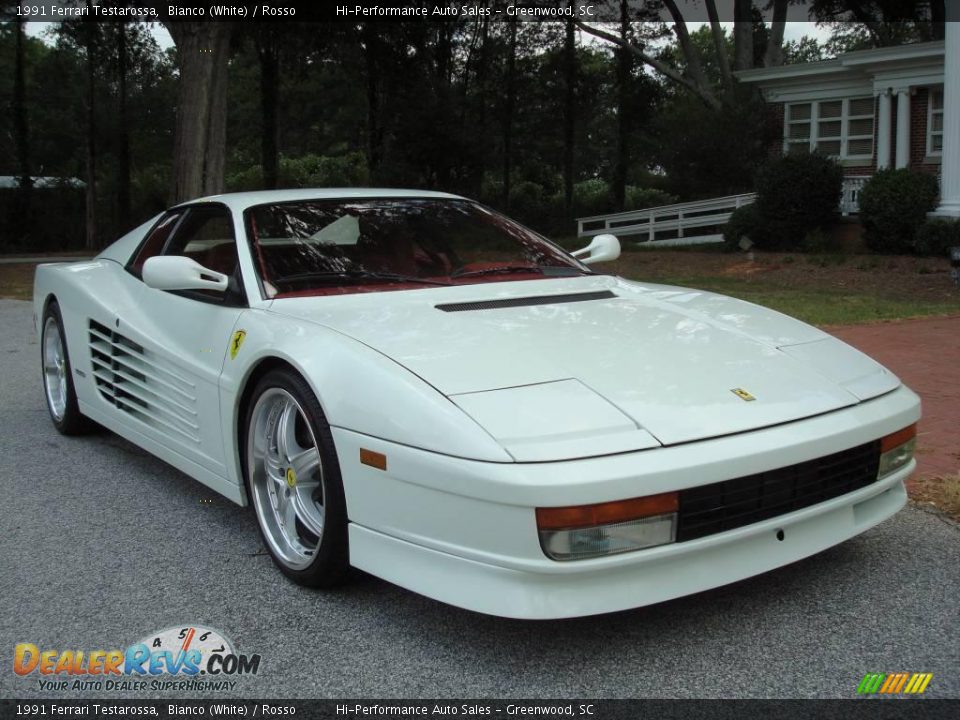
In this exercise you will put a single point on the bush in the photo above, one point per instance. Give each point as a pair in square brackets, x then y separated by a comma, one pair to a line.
[638, 198]
[349, 170]
[591, 197]
[893, 206]
[743, 222]
[936, 237]
[796, 195]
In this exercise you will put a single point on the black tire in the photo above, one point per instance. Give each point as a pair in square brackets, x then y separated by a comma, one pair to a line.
[70, 421]
[329, 565]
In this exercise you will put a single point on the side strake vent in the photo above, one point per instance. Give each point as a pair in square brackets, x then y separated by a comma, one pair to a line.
[128, 377]
[525, 301]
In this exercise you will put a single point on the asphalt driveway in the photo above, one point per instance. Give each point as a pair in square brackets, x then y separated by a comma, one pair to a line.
[102, 544]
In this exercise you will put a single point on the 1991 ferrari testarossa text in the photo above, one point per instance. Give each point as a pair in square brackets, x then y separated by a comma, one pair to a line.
[412, 384]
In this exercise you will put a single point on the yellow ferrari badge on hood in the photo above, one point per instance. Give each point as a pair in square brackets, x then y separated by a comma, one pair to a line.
[743, 394]
[236, 341]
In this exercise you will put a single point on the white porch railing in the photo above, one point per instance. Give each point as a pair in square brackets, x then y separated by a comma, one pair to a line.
[677, 220]
[685, 223]
[850, 199]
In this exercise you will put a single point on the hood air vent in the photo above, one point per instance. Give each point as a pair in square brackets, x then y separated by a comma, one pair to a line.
[526, 301]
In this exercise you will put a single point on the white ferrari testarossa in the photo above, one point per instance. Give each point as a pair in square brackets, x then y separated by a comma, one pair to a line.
[412, 384]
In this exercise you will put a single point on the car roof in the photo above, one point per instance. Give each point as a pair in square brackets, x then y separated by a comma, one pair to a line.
[121, 250]
[241, 200]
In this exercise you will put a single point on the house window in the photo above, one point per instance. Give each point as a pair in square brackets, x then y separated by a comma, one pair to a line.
[935, 123]
[840, 128]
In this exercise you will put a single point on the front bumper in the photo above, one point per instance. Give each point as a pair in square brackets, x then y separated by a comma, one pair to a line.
[464, 532]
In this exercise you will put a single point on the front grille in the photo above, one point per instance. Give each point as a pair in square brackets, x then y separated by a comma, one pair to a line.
[720, 506]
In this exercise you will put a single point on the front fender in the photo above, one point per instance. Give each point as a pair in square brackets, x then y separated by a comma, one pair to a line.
[360, 389]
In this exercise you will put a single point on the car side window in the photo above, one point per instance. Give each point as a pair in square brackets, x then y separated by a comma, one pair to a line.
[206, 236]
[154, 243]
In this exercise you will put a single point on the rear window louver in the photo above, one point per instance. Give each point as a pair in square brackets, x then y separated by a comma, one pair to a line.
[526, 301]
[142, 385]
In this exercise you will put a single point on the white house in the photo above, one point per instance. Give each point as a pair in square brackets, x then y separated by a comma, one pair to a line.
[885, 107]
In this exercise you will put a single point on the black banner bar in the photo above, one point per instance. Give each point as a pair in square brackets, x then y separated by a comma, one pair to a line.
[860, 709]
[380, 10]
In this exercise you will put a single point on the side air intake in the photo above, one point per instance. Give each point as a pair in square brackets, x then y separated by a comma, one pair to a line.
[526, 301]
[133, 380]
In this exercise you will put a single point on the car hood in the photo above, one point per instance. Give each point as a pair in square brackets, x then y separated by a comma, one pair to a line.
[593, 365]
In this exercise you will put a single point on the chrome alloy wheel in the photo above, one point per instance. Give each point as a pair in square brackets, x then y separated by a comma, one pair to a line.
[54, 368]
[286, 477]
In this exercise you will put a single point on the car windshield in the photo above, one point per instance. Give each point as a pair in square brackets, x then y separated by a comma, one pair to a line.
[360, 245]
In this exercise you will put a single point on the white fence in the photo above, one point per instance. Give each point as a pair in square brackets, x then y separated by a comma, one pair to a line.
[692, 223]
[676, 220]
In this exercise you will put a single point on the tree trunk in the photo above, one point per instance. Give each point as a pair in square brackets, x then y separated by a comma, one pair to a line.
[123, 150]
[508, 112]
[371, 56]
[569, 110]
[483, 89]
[200, 136]
[743, 34]
[624, 78]
[269, 97]
[21, 137]
[719, 44]
[215, 156]
[774, 54]
[938, 15]
[91, 190]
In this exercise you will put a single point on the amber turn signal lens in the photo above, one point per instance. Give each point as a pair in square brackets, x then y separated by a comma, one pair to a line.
[898, 438]
[373, 459]
[579, 516]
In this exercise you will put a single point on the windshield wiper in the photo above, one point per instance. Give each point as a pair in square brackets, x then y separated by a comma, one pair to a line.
[499, 270]
[358, 275]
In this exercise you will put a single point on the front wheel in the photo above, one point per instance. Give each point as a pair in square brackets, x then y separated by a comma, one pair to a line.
[293, 479]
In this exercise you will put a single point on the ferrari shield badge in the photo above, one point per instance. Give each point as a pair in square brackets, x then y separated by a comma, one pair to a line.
[743, 394]
[236, 341]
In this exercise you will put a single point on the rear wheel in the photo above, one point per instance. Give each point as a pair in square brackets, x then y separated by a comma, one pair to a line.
[58, 376]
[293, 479]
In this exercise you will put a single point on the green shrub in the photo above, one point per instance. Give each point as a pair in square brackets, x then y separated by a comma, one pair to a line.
[349, 170]
[638, 198]
[743, 222]
[936, 236]
[893, 206]
[591, 197]
[796, 194]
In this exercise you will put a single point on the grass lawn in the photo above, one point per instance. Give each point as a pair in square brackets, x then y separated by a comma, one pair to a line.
[941, 492]
[822, 307]
[822, 290]
[16, 281]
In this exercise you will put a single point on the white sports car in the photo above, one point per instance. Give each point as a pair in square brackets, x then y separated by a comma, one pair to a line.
[414, 385]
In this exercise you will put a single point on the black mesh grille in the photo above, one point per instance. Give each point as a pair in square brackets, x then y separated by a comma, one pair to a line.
[524, 301]
[713, 508]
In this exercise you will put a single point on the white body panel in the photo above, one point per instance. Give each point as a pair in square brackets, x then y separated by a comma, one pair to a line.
[485, 414]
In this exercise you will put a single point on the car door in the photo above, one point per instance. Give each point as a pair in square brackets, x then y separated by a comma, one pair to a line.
[175, 342]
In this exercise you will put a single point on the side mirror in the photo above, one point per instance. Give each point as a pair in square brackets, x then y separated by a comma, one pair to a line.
[601, 249]
[176, 272]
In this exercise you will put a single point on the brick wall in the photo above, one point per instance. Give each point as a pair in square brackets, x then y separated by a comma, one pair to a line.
[918, 133]
[778, 111]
